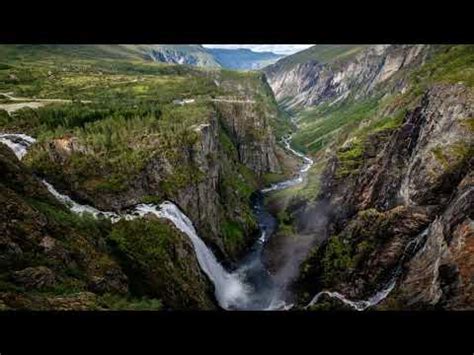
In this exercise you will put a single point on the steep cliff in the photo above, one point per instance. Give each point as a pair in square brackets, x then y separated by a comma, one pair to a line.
[52, 259]
[395, 196]
[189, 54]
[379, 207]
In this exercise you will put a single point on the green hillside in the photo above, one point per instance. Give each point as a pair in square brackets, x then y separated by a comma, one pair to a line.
[323, 53]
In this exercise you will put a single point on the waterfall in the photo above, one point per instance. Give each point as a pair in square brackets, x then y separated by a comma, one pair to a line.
[78, 208]
[230, 291]
[411, 248]
[18, 143]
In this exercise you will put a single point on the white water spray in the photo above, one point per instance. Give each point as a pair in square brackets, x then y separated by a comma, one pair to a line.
[78, 208]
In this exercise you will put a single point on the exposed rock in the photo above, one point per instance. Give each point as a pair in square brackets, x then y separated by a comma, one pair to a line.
[180, 54]
[251, 131]
[423, 172]
[32, 237]
[81, 301]
[401, 166]
[442, 272]
[62, 148]
[310, 83]
[112, 281]
[194, 175]
[35, 277]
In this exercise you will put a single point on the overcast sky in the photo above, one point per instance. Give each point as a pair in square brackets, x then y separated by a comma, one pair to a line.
[275, 48]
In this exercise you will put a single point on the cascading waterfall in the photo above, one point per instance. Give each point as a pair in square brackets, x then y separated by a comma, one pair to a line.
[18, 143]
[231, 291]
[411, 248]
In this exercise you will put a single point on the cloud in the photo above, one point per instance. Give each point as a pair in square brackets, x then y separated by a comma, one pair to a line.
[285, 49]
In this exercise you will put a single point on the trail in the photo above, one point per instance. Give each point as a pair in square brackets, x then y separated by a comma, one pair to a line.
[234, 101]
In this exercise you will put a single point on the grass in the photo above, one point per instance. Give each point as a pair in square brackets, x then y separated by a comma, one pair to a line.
[451, 64]
[451, 156]
[131, 119]
[468, 123]
[321, 53]
[319, 127]
[85, 223]
[233, 234]
[120, 303]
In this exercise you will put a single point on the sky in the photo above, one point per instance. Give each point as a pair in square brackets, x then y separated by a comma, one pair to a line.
[285, 49]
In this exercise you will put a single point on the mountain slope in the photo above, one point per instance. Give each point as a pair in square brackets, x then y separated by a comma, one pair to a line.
[190, 54]
[43, 51]
[329, 74]
[174, 54]
[54, 259]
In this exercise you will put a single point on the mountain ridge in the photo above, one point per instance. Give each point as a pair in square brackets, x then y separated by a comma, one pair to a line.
[194, 55]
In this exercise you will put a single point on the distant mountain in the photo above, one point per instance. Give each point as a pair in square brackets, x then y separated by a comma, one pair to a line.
[191, 54]
[314, 75]
[243, 58]
[197, 55]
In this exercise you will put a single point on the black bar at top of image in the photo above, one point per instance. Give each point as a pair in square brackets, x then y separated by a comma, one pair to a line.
[237, 23]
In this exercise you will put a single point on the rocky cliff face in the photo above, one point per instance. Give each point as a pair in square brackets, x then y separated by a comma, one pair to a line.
[249, 127]
[410, 178]
[312, 82]
[440, 274]
[182, 54]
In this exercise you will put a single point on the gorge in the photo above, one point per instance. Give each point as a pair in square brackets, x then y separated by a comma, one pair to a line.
[339, 177]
